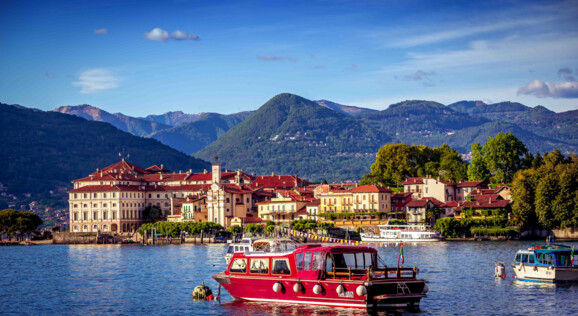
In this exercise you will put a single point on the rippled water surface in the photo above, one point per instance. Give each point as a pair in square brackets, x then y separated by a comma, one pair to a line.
[158, 280]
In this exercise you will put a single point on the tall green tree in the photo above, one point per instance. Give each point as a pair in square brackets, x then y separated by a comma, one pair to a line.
[477, 170]
[523, 196]
[546, 193]
[503, 156]
[18, 222]
[564, 208]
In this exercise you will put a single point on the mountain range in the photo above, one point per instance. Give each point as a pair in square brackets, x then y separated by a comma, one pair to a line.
[288, 134]
[42, 151]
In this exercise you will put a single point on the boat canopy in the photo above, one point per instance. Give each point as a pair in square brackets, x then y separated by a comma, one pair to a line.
[335, 249]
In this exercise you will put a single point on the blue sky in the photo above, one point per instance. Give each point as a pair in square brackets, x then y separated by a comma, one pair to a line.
[150, 57]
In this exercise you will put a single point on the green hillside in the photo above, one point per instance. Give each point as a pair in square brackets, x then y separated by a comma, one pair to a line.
[194, 136]
[421, 118]
[43, 150]
[290, 134]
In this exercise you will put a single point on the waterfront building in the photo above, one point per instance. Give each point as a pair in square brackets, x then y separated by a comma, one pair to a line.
[283, 208]
[465, 188]
[114, 199]
[421, 187]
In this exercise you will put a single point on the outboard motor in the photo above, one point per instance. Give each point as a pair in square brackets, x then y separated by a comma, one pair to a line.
[500, 270]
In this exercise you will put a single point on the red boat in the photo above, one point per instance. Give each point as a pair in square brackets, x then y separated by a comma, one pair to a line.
[338, 276]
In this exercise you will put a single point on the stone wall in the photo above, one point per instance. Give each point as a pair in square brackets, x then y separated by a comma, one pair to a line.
[74, 238]
[566, 233]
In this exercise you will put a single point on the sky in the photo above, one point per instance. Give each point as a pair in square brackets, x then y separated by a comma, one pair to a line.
[151, 57]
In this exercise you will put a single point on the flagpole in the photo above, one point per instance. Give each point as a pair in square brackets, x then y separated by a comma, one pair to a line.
[399, 257]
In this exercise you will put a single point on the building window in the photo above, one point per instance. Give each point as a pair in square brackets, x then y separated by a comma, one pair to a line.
[94, 195]
[104, 215]
[104, 205]
[104, 195]
[113, 194]
[75, 216]
[75, 195]
[95, 215]
[85, 195]
[113, 215]
[158, 196]
[85, 216]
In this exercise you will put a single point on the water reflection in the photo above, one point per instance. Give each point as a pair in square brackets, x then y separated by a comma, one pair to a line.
[129, 279]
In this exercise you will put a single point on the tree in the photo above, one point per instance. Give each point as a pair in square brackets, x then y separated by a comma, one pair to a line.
[448, 226]
[478, 171]
[235, 229]
[18, 222]
[523, 196]
[254, 228]
[152, 213]
[546, 192]
[503, 156]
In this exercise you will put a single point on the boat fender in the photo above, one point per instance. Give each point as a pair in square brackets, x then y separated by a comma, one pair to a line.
[425, 289]
[318, 289]
[297, 287]
[361, 290]
[277, 287]
[340, 289]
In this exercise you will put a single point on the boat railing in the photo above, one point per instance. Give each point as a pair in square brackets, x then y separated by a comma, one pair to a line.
[372, 273]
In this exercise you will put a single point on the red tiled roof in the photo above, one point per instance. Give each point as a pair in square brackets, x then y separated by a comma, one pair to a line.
[301, 211]
[252, 220]
[450, 204]
[155, 168]
[279, 181]
[370, 189]
[417, 203]
[415, 180]
[123, 166]
[435, 201]
[484, 197]
[404, 195]
[106, 188]
[468, 184]
[314, 202]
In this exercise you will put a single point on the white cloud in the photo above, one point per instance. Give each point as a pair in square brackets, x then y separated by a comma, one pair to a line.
[465, 31]
[547, 89]
[96, 80]
[181, 36]
[426, 78]
[545, 49]
[158, 34]
[101, 31]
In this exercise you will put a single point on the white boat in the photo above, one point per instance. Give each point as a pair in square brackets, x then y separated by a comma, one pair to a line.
[245, 245]
[551, 263]
[248, 245]
[403, 233]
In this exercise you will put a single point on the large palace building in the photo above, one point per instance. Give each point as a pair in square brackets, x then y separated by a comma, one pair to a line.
[114, 199]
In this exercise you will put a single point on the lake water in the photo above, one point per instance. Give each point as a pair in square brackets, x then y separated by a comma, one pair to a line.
[158, 280]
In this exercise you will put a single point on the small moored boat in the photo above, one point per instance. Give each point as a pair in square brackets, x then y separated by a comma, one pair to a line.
[553, 263]
[403, 233]
[338, 276]
[260, 245]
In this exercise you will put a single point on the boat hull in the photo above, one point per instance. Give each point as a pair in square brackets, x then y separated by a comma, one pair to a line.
[380, 239]
[545, 274]
[382, 293]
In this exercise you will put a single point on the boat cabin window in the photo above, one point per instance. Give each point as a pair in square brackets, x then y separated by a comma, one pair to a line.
[545, 258]
[360, 260]
[239, 266]
[564, 259]
[308, 261]
[281, 266]
[259, 266]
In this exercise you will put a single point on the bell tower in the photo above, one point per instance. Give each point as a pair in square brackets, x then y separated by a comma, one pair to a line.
[216, 171]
